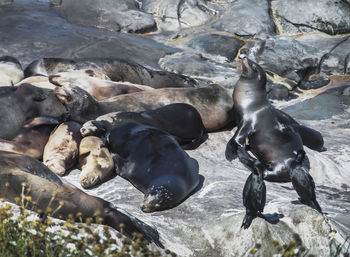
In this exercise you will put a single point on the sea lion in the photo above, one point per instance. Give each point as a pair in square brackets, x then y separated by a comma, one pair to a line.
[10, 71]
[38, 81]
[271, 135]
[116, 69]
[91, 81]
[95, 161]
[20, 172]
[180, 120]
[62, 149]
[213, 102]
[266, 127]
[154, 163]
[32, 138]
[23, 103]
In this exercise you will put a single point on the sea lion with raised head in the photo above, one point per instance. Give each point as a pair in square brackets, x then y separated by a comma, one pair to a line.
[273, 137]
[20, 172]
[154, 163]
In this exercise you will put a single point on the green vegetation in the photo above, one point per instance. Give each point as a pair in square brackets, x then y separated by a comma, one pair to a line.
[28, 234]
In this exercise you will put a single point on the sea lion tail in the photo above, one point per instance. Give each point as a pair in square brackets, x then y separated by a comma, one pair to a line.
[133, 224]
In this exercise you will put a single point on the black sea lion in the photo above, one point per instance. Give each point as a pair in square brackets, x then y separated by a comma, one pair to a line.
[266, 127]
[32, 138]
[62, 149]
[23, 103]
[10, 71]
[116, 69]
[154, 163]
[213, 102]
[17, 169]
[273, 137]
[180, 120]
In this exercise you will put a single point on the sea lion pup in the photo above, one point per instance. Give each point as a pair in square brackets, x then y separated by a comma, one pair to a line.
[42, 185]
[10, 71]
[95, 85]
[23, 103]
[272, 137]
[154, 163]
[62, 149]
[213, 102]
[95, 161]
[303, 182]
[116, 69]
[32, 138]
[266, 127]
[180, 120]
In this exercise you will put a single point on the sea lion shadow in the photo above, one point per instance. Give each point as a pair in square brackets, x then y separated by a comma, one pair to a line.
[273, 218]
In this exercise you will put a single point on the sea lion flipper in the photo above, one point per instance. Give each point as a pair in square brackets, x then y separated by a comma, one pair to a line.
[119, 163]
[310, 137]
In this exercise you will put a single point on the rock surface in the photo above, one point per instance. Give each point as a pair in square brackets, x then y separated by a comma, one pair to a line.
[202, 43]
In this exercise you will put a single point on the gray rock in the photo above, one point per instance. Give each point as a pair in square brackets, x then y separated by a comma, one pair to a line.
[196, 65]
[328, 16]
[217, 45]
[298, 58]
[121, 15]
[5, 2]
[247, 18]
[23, 35]
[175, 14]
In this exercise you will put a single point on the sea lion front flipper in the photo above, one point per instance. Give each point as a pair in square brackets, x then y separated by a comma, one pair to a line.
[120, 165]
[311, 138]
[41, 120]
[239, 139]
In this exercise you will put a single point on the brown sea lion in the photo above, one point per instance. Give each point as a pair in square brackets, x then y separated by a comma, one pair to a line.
[214, 103]
[31, 139]
[95, 160]
[20, 172]
[62, 149]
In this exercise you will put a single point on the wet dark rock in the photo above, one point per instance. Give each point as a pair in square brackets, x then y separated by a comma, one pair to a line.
[120, 15]
[246, 18]
[324, 106]
[175, 14]
[278, 92]
[22, 27]
[329, 16]
[217, 45]
[314, 82]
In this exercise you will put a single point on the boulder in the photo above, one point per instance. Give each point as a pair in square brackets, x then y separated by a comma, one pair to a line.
[329, 16]
[246, 18]
[121, 15]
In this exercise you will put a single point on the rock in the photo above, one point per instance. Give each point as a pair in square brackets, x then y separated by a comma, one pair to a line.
[323, 106]
[314, 82]
[217, 45]
[196, 65]
[5, 2]
[278, 92]
[23, 35]
[298, 58]
[328, 16]
[246, 18]
[175, 14]
[121, 15]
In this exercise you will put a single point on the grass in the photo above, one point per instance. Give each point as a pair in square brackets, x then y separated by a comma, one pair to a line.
[25, 233]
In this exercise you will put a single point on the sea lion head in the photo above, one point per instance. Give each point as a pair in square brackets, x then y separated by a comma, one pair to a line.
[252, 70]
[157, 199]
